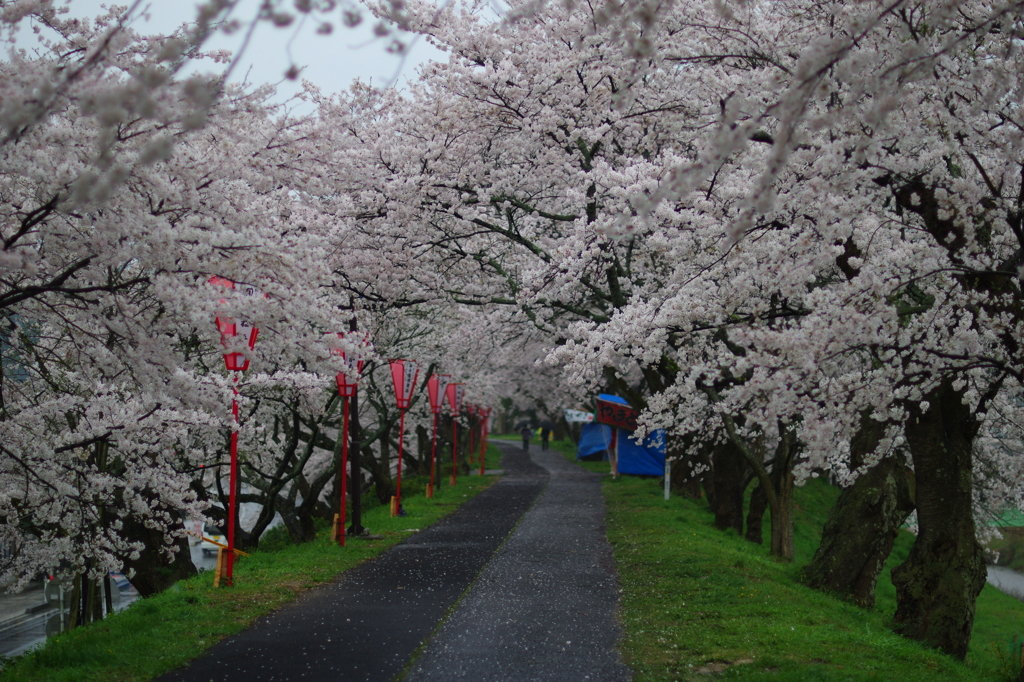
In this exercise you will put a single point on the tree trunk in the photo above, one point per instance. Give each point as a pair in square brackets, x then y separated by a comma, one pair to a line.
[755, 515]
[683, 480]
[307, 530]
[312, 506]
[781, 479]
[782, 516]
[863, 524]
[355, 481]
[290, 520]
[152, 571]
[938, 584]
[778, 485]
[382, 479]
[422, 461]
[731, 475]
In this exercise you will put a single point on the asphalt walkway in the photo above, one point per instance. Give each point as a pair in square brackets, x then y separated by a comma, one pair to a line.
[529, 560]
[544, 608]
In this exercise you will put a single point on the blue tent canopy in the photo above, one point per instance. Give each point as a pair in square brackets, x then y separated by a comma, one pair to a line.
[645, 459]
[595, 439]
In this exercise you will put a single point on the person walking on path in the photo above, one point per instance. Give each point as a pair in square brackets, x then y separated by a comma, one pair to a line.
[526, 432]
[545, 436]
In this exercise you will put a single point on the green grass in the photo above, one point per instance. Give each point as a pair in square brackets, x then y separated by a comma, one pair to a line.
[697, 603]
[700, 603]
[161, 633]
[1010, 548]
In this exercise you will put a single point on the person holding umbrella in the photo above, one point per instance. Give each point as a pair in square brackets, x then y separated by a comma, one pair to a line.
[546, 427]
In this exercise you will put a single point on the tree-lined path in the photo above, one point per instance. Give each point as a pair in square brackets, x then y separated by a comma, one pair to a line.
[541, 607]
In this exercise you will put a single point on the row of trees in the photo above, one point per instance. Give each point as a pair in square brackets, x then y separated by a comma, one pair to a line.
[790, 232]
[124, 189]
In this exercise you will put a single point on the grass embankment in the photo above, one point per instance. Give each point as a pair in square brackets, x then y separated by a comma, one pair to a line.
[163, 632]
[700, 603]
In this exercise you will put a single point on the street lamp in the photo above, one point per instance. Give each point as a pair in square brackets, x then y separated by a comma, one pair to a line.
[403, 376]
[454, 393]
[236, 362]
[347, 382]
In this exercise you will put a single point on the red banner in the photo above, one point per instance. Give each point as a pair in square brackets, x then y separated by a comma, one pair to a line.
[617, 415]
[454, 393]
[403, 375]
[437, 386]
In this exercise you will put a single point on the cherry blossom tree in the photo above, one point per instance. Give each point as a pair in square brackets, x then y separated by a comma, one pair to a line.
[117, 208]
[890, 169]
[781, 220]
[790, 232]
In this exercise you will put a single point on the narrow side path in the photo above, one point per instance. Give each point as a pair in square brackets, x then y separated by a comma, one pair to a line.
[544, 608]
[366, 625]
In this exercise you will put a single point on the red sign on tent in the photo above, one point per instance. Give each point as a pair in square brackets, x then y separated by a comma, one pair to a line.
[348, 378]
[617, 415]
[229, 328]
[403, 375]
[437, 385]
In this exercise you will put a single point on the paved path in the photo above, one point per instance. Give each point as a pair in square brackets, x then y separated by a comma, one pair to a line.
[543, 609]
[553, 576]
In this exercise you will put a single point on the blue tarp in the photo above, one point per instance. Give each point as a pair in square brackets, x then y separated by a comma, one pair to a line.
[647, 459]
[594, 441]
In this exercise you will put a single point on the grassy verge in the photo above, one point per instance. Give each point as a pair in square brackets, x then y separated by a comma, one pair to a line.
[699, 603]
[161, 633]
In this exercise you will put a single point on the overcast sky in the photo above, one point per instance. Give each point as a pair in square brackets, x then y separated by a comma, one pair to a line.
[332, 62]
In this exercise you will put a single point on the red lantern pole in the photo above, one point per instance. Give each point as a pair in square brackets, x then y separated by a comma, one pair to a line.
[455, 448]
[403, 375]
[233, 485]
[237, 363]
[472, 431]
[454, 394]
[437, 385]
[344, 471]
[401, 442]
[433, 458]
[346, 389]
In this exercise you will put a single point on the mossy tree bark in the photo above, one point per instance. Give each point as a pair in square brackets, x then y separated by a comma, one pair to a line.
[731, 476]
[755, 515]
[938, 585]
[863, 524]
[781, 480]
